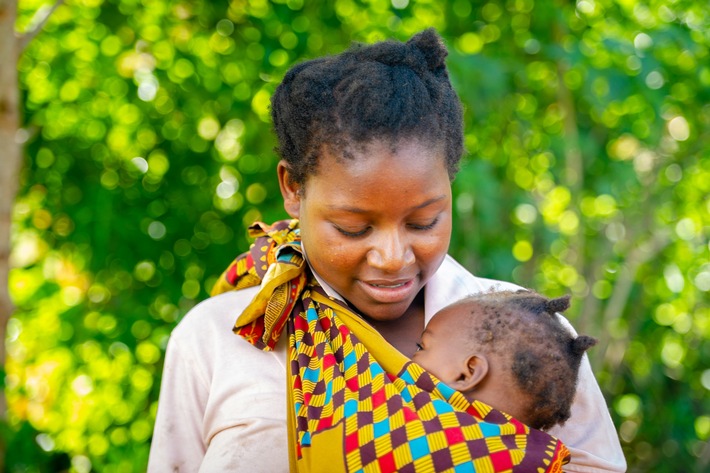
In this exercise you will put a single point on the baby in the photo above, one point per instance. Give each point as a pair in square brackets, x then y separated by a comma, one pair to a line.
[508, 350]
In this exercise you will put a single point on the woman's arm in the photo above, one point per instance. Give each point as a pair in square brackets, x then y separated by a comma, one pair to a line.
[589, 433]
[223, 402]
[177, 444]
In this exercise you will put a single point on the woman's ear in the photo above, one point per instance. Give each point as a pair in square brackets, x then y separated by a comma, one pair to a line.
[290, 191]
[474, 372]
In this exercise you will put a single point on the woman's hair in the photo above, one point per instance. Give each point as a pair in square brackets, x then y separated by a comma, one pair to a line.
[388, 90]
[522, 328]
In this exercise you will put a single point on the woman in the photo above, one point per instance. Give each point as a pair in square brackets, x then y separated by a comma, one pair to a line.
[370, 140]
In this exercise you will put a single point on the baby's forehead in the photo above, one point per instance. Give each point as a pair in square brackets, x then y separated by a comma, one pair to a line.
[475, 310]
[464, 313]
[472, 305]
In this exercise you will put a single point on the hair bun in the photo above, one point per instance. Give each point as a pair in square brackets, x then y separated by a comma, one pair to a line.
[582, 343]
[560, 304]
[431, 46]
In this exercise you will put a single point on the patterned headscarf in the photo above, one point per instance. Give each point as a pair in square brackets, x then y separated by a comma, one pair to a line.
[355, 402]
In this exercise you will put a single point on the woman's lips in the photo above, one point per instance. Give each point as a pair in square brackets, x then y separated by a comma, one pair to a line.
[388, 292]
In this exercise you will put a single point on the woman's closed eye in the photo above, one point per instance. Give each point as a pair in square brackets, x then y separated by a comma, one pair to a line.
[419, 347]
[352, 233]
[426, 226]
[355, 233]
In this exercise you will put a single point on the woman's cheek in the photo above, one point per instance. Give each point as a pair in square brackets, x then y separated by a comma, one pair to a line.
[438, 244]
[340, 253]
[432, 253]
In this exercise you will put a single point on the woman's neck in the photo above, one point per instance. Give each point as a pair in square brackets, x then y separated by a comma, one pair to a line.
[405, 332]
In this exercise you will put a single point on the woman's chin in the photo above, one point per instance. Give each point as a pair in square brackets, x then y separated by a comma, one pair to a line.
[384, 313]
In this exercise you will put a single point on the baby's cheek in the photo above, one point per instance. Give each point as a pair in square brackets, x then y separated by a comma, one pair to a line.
[420, 358]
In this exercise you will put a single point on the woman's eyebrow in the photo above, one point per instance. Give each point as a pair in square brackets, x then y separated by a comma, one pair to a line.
[358, 210]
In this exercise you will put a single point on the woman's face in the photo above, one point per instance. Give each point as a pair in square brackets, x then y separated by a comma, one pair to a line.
[376, 226]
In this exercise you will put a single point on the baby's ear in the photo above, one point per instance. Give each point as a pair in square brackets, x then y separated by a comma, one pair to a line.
[473, 374]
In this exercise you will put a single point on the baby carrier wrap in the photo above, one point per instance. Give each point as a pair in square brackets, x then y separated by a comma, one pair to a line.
[355, 403]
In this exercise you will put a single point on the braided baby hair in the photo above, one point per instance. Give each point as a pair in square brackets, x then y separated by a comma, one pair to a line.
[387, 90]
[523, 328]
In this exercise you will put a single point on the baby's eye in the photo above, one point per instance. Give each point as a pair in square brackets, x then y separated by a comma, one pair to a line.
[419, 347]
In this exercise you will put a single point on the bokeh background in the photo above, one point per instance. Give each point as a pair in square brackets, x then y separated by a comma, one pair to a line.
[147, 149]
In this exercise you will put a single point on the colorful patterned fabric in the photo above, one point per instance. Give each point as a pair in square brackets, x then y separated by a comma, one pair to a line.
[356, 404]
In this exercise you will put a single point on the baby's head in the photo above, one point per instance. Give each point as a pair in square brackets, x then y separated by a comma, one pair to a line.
[509, 350]
[388, 92]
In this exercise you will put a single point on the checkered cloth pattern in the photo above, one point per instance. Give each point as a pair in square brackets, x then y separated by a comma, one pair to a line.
[358, 405]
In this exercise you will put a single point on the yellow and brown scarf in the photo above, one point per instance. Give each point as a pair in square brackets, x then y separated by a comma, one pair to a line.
[356, 404]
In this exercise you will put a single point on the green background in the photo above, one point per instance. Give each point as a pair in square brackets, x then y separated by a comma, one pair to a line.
[148, 149]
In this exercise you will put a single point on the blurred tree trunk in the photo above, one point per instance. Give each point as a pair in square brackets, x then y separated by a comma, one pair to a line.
[9, 171]
[11, 149]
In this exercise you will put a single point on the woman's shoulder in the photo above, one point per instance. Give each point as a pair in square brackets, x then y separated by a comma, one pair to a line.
[214, 317]
[452, 282]
[204, 342]
[451, 272]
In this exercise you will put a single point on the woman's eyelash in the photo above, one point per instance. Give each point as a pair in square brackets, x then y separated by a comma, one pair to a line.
[360, 233]
[351, 234]
[428, 226]
[419, 347]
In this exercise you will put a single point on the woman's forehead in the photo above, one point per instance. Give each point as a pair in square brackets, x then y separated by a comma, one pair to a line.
[381, 157]
[405, 180]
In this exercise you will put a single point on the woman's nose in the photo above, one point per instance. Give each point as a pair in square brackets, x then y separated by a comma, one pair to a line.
[390, 253]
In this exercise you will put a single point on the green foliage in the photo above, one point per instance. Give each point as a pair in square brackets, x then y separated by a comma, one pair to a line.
[149, 151]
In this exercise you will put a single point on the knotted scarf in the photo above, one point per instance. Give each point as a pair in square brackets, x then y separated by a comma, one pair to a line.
[356, 404]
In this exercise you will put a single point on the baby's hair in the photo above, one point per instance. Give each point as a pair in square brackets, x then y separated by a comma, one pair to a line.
[388, 90]
[544, 356]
